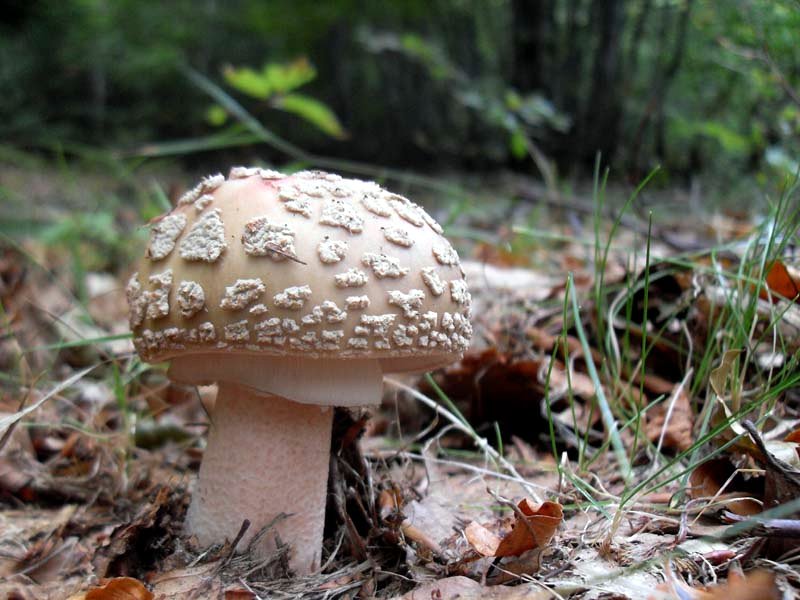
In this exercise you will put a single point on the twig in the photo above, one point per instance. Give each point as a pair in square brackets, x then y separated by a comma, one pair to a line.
[785, 528]
[517, 511]
[276, 250]
[242, 530]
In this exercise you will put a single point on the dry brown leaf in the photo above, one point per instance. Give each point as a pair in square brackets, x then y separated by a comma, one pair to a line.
[782, 282]
[119, 588]
[579, 384]
[517, 567]
[708, 478]
[793, 436]
[782, 480]
[481, 539]
[239, 594]
[678, 433]
[192, 582]
[389, 501]
[781, 486]
[534, 527]
[534, 531]
[719, 376]
[756, 585]
[497, 254]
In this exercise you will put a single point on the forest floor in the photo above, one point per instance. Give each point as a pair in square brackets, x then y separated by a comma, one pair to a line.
[625, 425]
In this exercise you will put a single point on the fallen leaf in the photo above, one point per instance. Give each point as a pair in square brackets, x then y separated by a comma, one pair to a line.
[534, 531]
[563, 383]
[66, 587]
[120, 588]
[719, 376]
[239, 594]
[782, 480]
[463, 588]
[481, 539]
[192, 582]
[718, 379]
[739, 495]
[516, 567]
[429, 521]
[493, 386]
[781, 485]
[677, 435]
[782, 282]
[793, 436]
[784, 451]
[533, 528]
[756, 585]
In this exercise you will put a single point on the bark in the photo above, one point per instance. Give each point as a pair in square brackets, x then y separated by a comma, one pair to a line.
[567, 92]
[602, 115]
[533, 44]
[663, 77]
[669, 73]
[632, 61]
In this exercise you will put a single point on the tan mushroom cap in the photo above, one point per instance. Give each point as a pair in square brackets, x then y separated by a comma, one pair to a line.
[306, 266]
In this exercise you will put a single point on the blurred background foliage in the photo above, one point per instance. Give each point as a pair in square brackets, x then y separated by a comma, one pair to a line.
[697, 86]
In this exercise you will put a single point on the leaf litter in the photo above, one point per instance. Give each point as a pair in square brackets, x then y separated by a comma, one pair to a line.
[505, 490]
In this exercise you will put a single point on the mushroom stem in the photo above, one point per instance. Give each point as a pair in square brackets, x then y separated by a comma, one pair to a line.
[265, 456]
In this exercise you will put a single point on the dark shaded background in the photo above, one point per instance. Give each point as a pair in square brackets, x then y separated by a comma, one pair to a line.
[695, 86]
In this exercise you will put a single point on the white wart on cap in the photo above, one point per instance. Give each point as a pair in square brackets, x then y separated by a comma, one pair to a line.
[309, 265]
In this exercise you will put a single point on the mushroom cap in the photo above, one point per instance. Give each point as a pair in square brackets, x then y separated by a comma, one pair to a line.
[309, 266]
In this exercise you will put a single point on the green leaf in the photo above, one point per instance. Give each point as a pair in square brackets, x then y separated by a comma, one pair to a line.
[730, 140]
[248, 81]
[216, 115]
[519, 148]
[284, 78]
[313, 111]
[272, 79]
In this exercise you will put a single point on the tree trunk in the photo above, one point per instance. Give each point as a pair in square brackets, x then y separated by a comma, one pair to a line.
[602, 114]
[670, 70]
[532, 43]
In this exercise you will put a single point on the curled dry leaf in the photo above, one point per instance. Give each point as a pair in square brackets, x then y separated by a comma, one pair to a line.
[781, 281]
[719, 376]
[794, 438]
[119, 588]
[739, 496]
[534, 527]
[535, 530]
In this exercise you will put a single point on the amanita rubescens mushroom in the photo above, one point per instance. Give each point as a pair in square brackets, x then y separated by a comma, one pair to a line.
[293, 293]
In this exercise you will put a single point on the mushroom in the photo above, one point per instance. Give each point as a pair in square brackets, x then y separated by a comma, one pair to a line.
[294, 294]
